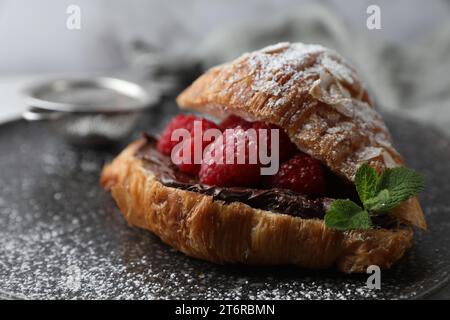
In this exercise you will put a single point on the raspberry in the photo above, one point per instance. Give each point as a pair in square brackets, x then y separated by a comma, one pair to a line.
[235, 174]
[185, 121]
[191, 167]
[302, 174]
[165, 143]
[234, 121]
[214, 169]
[285, 147]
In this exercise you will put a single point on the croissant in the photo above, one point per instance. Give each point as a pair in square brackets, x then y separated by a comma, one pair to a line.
[318, 99]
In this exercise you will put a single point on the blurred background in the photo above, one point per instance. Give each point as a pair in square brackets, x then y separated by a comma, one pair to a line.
[166, 44]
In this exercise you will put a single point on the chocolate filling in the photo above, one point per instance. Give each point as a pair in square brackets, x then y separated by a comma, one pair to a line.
[274, 200]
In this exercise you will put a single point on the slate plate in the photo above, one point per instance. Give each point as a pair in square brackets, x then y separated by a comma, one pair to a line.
[61, 236]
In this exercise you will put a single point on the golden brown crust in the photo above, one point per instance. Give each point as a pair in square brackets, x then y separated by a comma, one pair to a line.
[236, 233]
[313, 94]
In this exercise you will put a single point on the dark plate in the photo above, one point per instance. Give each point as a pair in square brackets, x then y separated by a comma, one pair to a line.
[62, 237]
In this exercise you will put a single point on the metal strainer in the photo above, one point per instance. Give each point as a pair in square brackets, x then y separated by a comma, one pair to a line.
[88, 112]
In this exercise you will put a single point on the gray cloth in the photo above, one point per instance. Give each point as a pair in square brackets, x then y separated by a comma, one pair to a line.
[412, 78]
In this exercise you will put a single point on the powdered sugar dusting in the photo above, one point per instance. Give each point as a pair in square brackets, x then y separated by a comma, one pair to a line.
[285, 60]
[369, 153]
[277, 62]
[337, 69]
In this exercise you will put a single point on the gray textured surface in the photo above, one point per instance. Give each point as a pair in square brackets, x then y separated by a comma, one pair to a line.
[62, 236]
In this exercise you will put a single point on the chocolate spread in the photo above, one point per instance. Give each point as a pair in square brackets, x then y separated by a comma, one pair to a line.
[274, 200]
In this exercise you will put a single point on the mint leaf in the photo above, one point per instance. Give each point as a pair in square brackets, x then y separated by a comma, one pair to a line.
[402, 183]
[395, 186]
[384, 193]
[345, 215]
[380, 203]
[366, 181]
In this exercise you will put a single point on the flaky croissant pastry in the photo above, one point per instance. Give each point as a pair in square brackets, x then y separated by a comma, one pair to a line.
[319, 101]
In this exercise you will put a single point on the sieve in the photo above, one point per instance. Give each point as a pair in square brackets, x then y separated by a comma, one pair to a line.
[88, 111]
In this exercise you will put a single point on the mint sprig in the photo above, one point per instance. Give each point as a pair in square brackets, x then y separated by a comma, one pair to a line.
[345, 214]
[379, 194]
[366, 181]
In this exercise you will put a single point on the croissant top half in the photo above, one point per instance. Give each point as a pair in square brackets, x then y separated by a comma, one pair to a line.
[309, 91]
